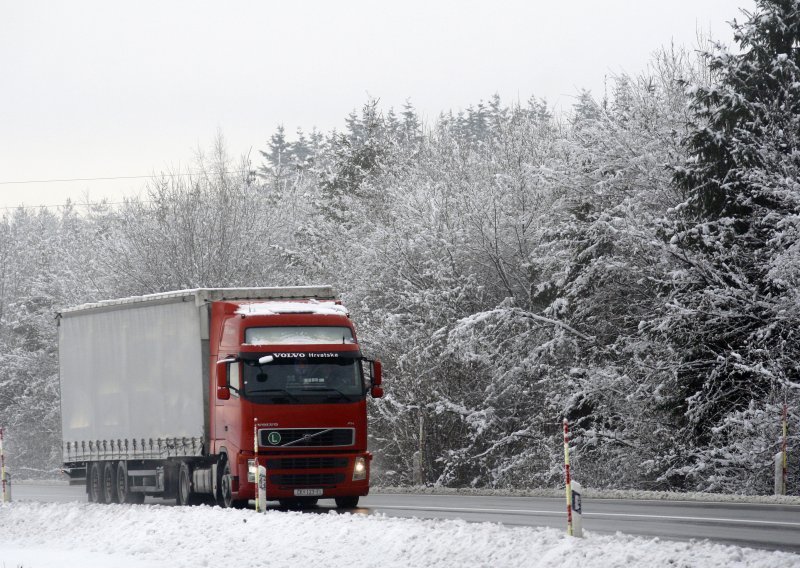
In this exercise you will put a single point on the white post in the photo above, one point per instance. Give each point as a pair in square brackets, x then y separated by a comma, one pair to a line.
[577, 509]
[262, 489]
[567, 478]
[6, 486]
[780, 487]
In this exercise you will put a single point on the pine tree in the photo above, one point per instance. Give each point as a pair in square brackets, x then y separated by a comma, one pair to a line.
[727, 312]
[278, 157]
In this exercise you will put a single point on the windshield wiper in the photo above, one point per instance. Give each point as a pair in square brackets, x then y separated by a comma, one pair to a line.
[333, 389]
[286, 392]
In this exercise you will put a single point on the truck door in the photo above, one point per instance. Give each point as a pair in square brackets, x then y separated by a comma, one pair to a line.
[228, 411]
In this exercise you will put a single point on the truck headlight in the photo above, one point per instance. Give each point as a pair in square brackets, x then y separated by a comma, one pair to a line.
[251, 471]
[360, 469]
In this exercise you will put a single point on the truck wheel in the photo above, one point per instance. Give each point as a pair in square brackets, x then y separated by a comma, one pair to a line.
[184, 497]
[226, 500]
[95, 483]
[109, 483]
[346, 502]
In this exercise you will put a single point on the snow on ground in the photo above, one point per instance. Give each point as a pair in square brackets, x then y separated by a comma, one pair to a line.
[49, 535]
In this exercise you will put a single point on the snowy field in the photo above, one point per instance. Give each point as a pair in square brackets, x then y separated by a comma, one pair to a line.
[39, 535]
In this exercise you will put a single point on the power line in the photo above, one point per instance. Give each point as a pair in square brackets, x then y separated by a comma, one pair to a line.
[112, 178]
[84, 179]
[71, 204]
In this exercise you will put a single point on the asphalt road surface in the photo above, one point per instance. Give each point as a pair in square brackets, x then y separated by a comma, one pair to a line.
[775, 527]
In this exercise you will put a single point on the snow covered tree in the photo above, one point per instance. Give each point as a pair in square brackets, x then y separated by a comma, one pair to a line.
[732, 310]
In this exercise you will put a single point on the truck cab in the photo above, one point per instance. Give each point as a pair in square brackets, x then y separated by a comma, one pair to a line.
[290, 386]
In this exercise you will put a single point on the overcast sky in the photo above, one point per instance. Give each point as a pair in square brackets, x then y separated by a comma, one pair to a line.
[107, 89]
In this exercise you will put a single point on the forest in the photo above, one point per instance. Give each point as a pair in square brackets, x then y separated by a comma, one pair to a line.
[631, 264]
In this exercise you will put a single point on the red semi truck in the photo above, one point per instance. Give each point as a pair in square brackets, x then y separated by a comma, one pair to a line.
[184, 394]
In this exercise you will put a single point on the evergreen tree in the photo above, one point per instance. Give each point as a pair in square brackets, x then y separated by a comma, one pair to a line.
[278, 157]
[727, 312]
[301, 153]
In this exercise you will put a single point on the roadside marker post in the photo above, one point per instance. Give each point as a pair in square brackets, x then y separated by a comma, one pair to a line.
[577, 509]
[780, 488]
[6, 488]
[568, 479]
[785, 473]
[261, 496]
[573, 488]
[781, 458]
[261, 473]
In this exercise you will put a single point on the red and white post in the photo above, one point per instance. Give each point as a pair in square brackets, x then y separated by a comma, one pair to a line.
[6, 497]
[785, 469]
[567, 476]
[781, 459]
[255, 459]
[574, 501]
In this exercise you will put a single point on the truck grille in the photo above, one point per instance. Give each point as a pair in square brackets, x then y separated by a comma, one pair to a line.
[306, 479]
[306, 437]
[307, 463]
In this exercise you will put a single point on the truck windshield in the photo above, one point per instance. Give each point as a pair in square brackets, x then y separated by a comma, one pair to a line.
[308, 379]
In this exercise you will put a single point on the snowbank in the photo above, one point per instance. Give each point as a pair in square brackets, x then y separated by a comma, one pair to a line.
[45, 535]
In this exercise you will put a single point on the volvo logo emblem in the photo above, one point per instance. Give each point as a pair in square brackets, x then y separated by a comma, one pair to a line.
[274, 438]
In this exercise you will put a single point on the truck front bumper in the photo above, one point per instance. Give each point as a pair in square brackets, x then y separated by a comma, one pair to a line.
[291, 476]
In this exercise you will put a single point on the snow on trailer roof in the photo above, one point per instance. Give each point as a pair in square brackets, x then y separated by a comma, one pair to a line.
[313, 306]
[204, 295]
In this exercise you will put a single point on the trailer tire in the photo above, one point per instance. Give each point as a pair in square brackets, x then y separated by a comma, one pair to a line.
[184, 497]
[94, 483]
[346, 502]
[109, 484]
[124, 493]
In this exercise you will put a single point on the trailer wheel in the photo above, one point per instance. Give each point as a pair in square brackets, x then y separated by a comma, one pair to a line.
[124, 493]
[95, 483]
[346, 502]
[184, 497]
[109, 484]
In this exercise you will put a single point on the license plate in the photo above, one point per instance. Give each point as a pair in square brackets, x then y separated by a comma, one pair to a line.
[308, 492]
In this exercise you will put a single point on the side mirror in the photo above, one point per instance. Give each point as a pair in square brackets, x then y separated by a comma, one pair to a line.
[377, 373]
[223, 392]
[377, 379]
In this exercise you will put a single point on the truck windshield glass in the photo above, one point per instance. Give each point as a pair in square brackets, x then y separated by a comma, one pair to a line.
[331, 379]
[297, 335]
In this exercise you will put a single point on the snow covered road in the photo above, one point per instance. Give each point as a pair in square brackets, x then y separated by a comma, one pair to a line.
[45, 535]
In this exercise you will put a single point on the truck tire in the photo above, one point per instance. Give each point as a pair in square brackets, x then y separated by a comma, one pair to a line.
[346, 502]
[184, 498]
[109, 483]
[95, 483]
[226, 500]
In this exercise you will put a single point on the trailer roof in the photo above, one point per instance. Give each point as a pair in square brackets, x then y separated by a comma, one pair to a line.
[204, 295]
